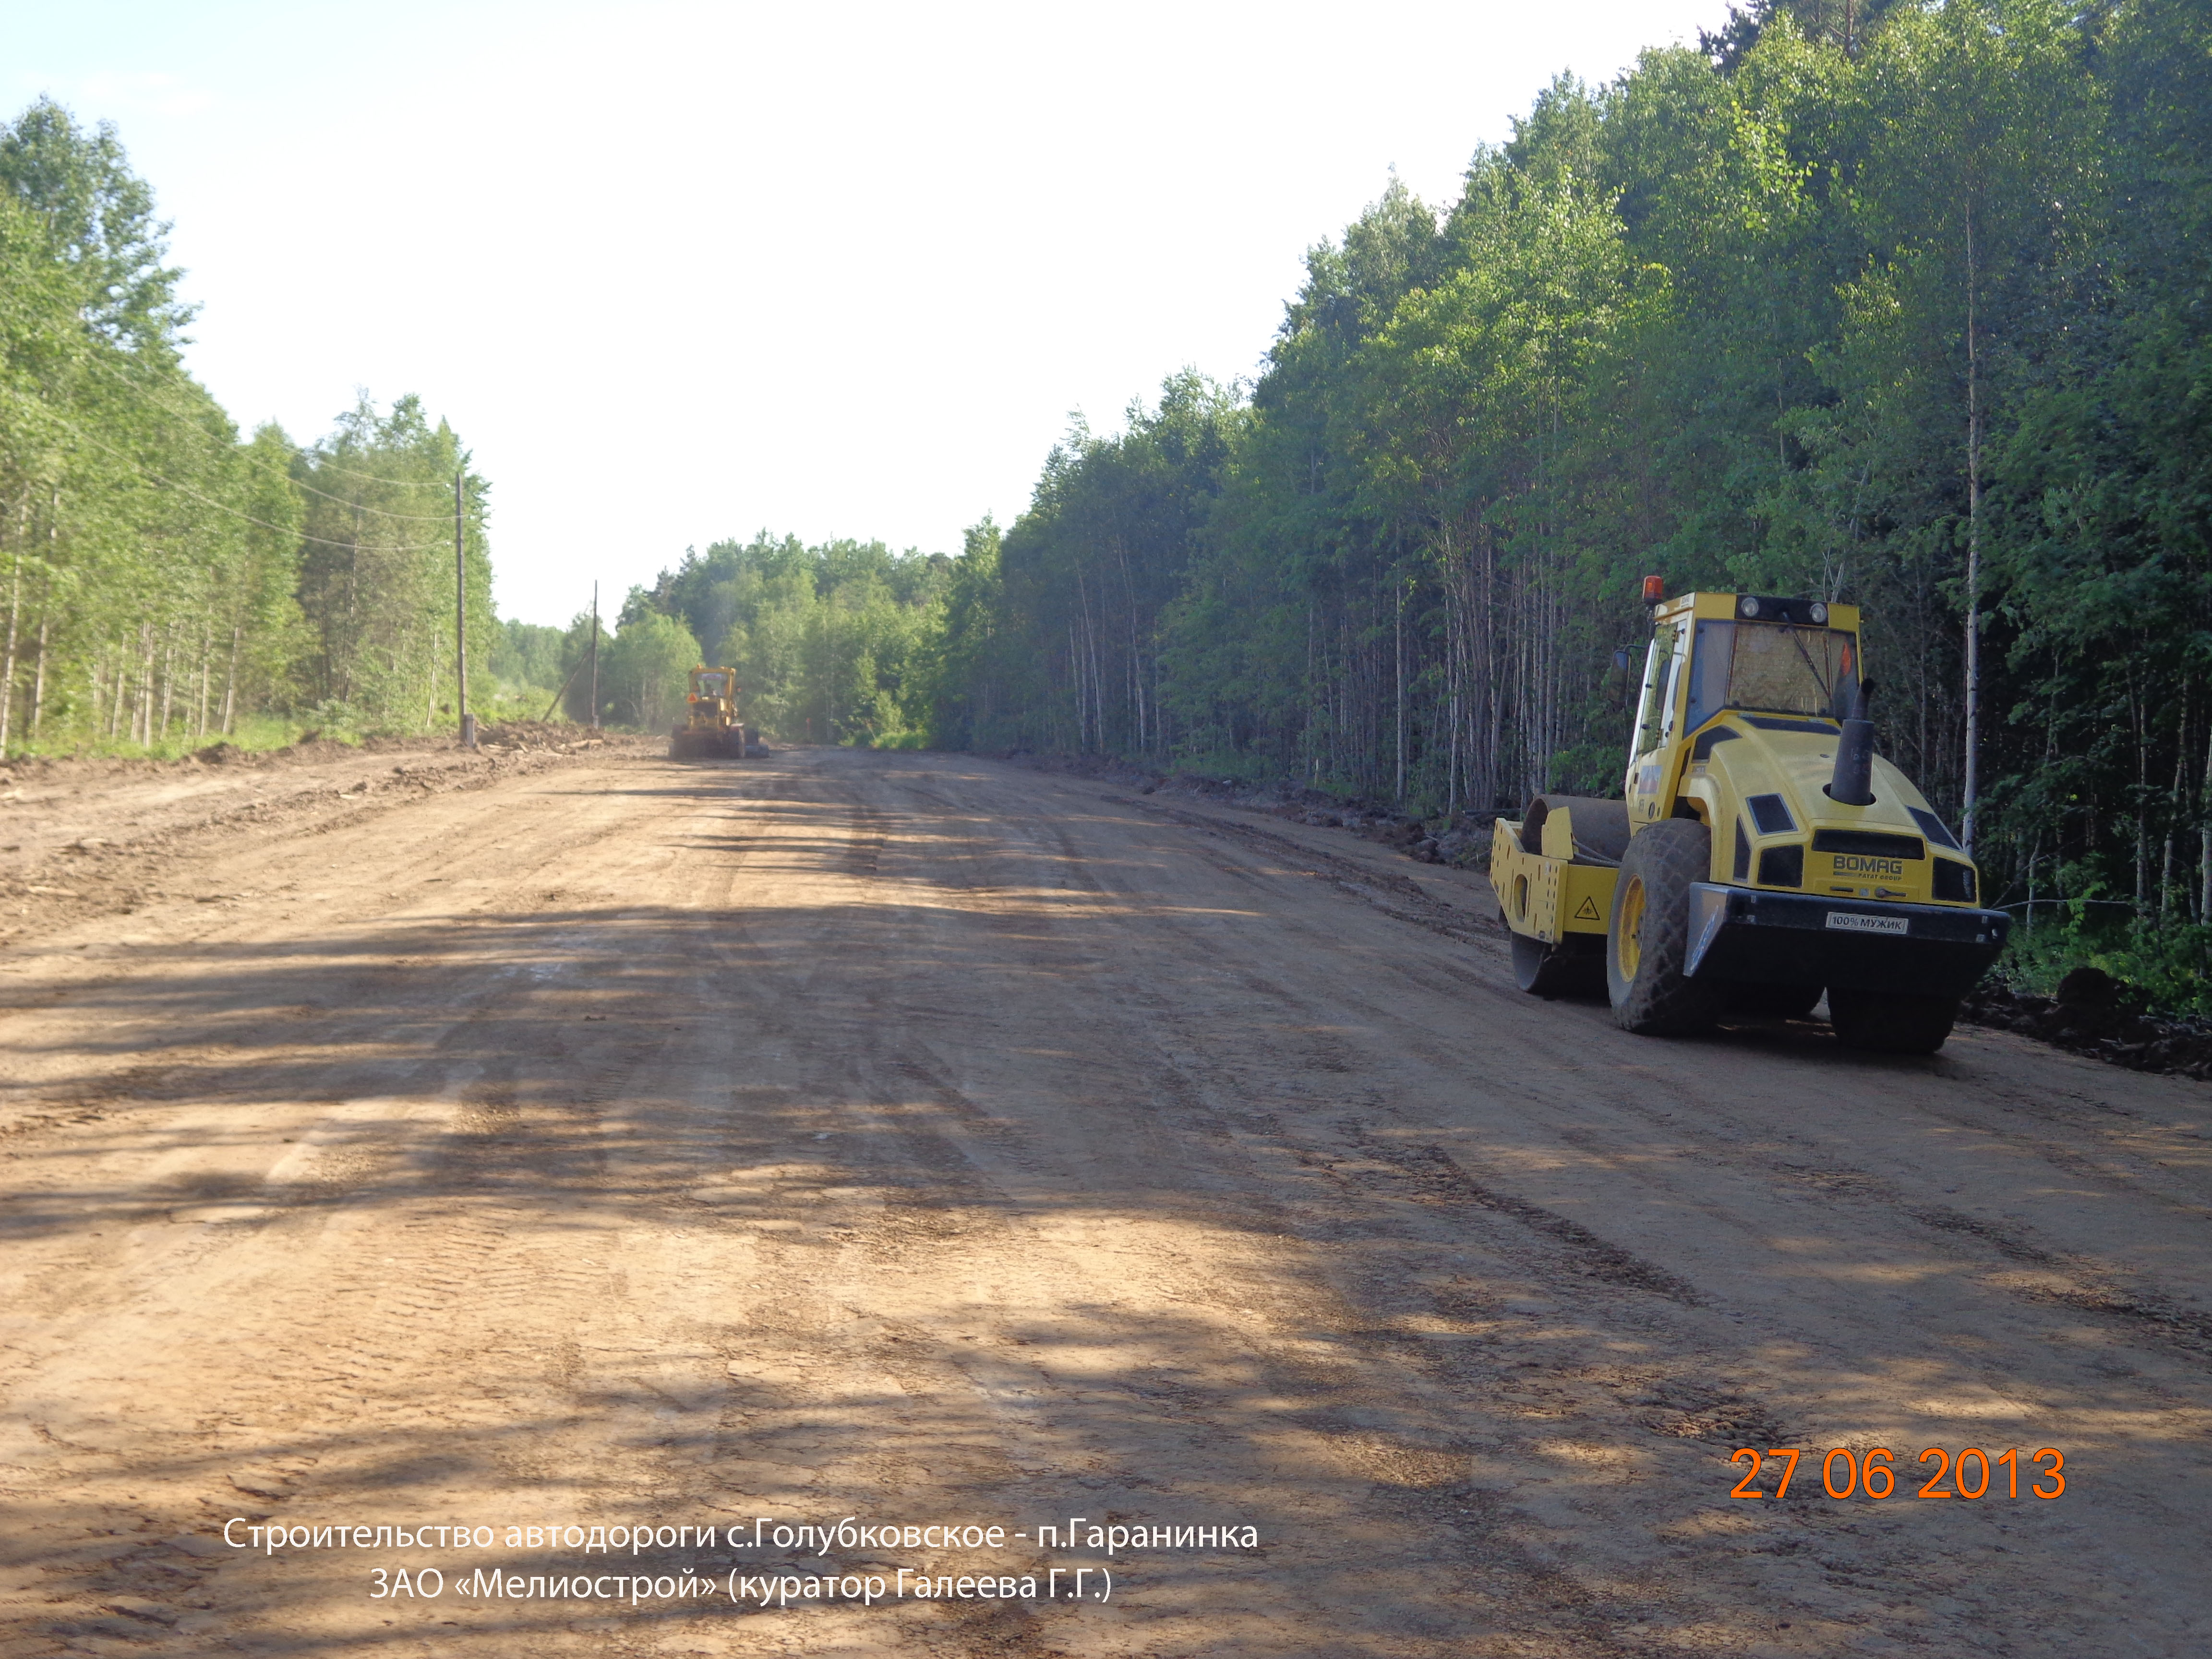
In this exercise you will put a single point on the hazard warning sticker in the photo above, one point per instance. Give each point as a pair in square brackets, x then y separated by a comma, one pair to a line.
[1587, 911]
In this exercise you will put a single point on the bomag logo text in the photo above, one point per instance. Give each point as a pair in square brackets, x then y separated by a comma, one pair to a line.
[1850, 864]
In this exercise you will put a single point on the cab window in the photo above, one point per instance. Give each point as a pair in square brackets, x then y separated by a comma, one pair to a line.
[1654, 721]
[1710, 661]
[1781, 669]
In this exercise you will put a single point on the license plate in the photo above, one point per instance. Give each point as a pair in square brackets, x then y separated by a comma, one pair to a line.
[1850, 921]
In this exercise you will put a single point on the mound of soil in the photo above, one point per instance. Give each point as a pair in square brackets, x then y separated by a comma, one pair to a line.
[556, 735]
[2095, 1014]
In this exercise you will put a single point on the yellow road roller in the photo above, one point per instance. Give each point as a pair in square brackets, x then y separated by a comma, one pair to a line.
[1762, 854]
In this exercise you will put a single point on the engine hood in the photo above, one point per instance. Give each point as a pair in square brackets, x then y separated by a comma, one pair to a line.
[1761, 782]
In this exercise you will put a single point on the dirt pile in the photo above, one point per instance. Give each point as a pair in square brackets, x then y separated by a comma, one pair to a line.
[558, 736]
[2094, 1014]
[97, 835]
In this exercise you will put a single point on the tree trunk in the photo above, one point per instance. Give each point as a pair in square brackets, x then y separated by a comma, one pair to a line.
[1075, 685]
[39, 679]
[7, 658]
[2142, 801]
[230, 679]
[1398, 671]
[2204, 835]
[1970, 791]
[14, 609]
[145, 711]
[207, 655]
[45, 609]
[2174, 798]
[168, 676]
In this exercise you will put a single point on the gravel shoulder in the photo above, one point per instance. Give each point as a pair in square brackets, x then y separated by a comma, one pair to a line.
[582, 1138]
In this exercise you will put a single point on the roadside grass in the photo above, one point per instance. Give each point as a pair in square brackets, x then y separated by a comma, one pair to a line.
[330, 722]
[2168, 966]
[252, 732]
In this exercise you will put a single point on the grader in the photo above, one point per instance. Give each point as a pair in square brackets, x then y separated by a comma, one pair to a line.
[711, 727]
[1763, 855]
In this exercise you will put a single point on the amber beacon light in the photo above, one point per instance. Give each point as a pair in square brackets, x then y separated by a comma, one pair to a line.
[1654, 590]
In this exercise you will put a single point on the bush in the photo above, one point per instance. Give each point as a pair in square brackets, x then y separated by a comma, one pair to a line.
[2169, 965]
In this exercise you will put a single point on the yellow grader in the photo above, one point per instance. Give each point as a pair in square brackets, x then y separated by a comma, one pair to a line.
[711, 728]
[1763, 853]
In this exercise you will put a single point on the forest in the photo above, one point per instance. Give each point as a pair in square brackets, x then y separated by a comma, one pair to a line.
[1902, 303]
[836, 643]
[1898, 301]
[167, 580]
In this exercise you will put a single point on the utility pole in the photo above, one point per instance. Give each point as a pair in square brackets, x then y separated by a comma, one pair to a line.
[461, 618]
[595, 656]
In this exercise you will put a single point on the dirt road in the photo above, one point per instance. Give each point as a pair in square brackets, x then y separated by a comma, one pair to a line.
[940, 1144]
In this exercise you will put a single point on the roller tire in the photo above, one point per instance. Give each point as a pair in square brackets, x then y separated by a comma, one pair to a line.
[1773, 1001]
[1883, 1023]
[1565, 969]
[1649, 928]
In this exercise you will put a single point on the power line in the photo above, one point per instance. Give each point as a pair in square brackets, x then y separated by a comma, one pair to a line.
[208, 501]
[333, 466]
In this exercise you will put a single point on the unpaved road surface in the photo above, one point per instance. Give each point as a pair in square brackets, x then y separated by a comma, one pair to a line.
[934, 1142]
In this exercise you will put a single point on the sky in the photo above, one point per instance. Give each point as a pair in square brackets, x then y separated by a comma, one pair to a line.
[680, 272]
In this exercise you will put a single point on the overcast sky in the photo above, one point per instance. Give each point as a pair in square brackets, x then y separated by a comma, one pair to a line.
[678, 272]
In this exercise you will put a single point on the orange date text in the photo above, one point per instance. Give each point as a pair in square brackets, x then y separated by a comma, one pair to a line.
[1875, 1474]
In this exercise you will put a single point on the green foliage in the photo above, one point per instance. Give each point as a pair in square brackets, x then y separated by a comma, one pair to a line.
[1900, 303]
[1053, 635]
[1845, 25]
[2167, 960]
[376, 573]
[584, 644]
[98, 224]
[959, 690]
[163, 580]
[644, 670]
[527, 656]
[832, 644]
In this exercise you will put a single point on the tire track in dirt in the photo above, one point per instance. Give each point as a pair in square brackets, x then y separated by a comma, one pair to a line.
[1681, 1102]
[2096, 1286]
[907, 1135]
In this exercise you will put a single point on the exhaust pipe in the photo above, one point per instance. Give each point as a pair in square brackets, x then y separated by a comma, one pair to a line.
[1853, 781]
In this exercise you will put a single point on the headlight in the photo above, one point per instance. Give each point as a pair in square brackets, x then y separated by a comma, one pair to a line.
[1747, 606]
[1818, 613]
